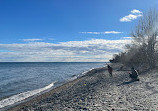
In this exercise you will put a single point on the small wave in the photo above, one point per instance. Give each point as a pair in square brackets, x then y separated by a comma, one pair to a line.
[85, 72]
[19, 97]
[92, 69]
[72, 78]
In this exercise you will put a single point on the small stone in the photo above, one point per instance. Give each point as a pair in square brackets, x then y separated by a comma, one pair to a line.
[85, 109]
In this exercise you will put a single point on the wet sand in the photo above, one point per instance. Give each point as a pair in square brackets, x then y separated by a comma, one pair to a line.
[96, 91]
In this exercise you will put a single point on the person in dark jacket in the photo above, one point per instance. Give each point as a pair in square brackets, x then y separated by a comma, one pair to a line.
[134, 74]
[110, 71]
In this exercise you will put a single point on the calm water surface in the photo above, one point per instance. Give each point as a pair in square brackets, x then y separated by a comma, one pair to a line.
[18, 78]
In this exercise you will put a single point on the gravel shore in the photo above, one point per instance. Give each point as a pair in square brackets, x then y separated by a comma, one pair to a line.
[96, 91]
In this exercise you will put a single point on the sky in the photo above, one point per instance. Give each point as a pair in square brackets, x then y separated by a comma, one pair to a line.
[67, 30]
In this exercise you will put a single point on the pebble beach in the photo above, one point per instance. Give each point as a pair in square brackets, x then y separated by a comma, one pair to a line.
[96, 91]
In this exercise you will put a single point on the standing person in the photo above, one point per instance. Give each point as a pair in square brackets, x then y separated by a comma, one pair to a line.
[110, 71]
[134, 74]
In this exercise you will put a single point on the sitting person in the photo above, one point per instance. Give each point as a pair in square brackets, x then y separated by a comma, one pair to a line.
[134, 74]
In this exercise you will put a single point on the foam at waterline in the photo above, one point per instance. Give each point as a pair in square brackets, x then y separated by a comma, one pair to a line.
[73, 78]
[87, 71]
[19, 97]
[83, 73]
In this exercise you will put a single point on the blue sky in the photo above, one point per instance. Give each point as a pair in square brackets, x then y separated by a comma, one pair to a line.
[67, 30]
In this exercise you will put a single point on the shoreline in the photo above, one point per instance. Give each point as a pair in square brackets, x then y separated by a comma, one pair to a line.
[97, 91]
[53, 90]
[21, 97]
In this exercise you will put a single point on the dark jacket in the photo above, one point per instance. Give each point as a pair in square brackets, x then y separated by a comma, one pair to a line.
[109, 69]
[134, 73]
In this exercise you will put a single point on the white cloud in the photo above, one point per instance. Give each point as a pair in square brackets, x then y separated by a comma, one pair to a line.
[127, 37]
[95, 50]
[31, 40]
[106, 32]
[135, 14]
[136, 11]
[112, 32]
[130, 17]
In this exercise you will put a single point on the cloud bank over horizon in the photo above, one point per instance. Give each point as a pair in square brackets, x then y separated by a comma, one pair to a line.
[94, 50]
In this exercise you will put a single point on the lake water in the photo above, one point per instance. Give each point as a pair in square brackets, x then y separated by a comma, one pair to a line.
[22, 80]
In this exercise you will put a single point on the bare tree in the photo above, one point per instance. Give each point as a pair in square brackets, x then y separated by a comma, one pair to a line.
[145, 35]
